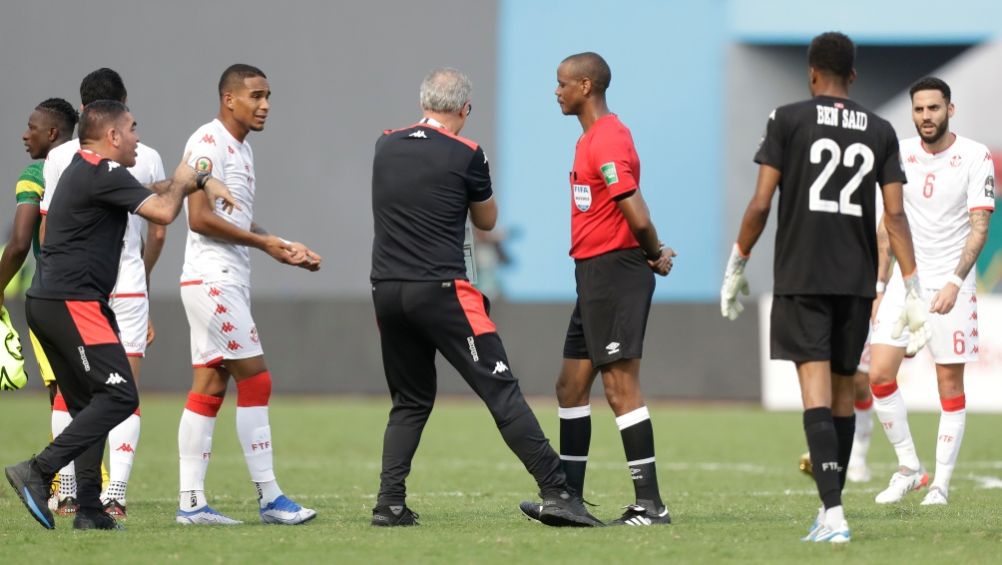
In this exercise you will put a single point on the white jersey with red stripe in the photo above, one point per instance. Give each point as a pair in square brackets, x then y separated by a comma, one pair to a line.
[213, 149]
[943, 189]
[149, 168]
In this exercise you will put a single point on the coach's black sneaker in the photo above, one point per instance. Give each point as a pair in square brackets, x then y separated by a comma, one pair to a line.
[33, 489]
[563, 509]
[87, 519]
[531, 509]
[639, 515]
[393, 515]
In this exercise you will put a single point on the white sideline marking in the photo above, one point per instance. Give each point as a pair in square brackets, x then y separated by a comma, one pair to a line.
[986, 482]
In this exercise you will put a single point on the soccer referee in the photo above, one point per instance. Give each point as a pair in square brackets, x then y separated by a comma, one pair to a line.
[425, 180]
[67, 304]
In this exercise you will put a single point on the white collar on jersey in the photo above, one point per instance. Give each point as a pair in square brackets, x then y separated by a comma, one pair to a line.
[432, 122]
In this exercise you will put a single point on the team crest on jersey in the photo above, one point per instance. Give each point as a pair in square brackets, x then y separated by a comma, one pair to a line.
[582, 196]
[990, 186]
[609, 173]
[203, 165]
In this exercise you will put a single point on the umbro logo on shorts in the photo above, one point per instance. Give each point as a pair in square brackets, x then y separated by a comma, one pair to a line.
[114, 379]
[612, 348]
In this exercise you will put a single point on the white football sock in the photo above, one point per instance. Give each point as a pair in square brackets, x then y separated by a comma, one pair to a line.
[894, 417]
[122, 442]
[194, 442]
[67, 475]
[255, 439]
[951, 434]
[834, 517]
[861, 441]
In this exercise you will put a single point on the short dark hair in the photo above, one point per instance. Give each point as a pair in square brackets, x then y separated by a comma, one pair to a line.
[832, 52]
[593, 66]
[931, 83]
[102, 84]
[237, 73]
[97, 116]
[61, 112]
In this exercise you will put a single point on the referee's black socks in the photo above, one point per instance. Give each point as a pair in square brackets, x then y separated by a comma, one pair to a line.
[638, 441]
[845, 431]
[575, 437]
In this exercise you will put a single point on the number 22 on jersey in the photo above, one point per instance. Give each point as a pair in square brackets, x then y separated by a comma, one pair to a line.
[836, 158]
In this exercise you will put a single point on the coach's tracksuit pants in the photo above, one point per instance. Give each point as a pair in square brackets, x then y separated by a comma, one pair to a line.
[416, 319]
[80, 339]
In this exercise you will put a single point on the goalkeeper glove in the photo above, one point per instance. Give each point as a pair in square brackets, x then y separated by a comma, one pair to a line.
[734, 282]
[12, 375]
[913, 317]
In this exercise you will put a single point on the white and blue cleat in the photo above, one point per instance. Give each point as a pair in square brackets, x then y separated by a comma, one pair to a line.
[284, 511]
[837, 535]
[816, 526]
[204, 516]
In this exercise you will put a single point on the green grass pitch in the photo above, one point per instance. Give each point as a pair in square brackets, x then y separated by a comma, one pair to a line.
[728, 474]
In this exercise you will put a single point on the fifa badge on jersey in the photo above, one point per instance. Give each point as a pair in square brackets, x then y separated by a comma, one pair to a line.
[203, 164]
[990, 186]
[609, 172]
[582, 196]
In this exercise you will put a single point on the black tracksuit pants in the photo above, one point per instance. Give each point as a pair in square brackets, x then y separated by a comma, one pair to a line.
[80, 339]
[416, 319]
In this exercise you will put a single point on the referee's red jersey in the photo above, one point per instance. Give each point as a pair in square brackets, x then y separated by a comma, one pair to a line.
[606, 166]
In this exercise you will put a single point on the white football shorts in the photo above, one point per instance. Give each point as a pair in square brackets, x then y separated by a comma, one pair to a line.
[221, 325]
[132, 312]
[954, 335]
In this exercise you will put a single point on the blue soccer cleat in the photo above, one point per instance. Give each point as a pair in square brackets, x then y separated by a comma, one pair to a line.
[204, 516]
[282, 510]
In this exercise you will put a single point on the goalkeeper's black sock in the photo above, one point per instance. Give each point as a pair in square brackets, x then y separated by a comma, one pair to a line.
[822, 442]
[845, 431]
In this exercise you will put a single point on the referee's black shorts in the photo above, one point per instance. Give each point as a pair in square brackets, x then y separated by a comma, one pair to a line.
[820, 327]
[614, 300]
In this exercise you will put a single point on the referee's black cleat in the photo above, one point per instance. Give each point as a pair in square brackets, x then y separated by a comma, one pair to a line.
[33, 489]
[640, 515]
[531, 509]
[393, 515]
[95, 520]
[564, 510]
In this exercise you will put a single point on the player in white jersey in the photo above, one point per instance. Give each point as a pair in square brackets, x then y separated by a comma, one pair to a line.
[949, 199]
[215, 289]
[129, 300]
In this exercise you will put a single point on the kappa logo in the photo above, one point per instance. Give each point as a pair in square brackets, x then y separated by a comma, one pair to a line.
[230, 149]
[912, 159]
[955, 161]
[220, 309]
[974, 333]
[114, 379]
[228, 327]
[233, 346]
[207, 138]
[112, 166]
[612, 348]
[499, 368]
[213, 291]
[126, 447]
[419, 134]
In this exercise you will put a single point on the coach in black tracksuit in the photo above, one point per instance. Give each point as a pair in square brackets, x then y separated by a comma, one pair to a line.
[67, 304]
[425, 179]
